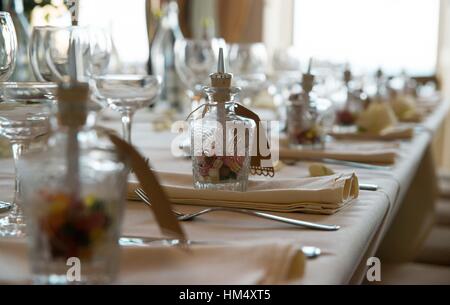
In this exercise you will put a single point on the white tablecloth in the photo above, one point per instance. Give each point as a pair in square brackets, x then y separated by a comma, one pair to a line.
[364, 223]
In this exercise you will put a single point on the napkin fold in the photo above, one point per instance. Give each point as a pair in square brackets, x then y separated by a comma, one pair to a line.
[364, 152]
[244, 263]
[389, 134]
[317, 195]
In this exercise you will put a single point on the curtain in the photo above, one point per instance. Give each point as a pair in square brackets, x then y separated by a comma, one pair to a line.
[240, 20]
[184, 12]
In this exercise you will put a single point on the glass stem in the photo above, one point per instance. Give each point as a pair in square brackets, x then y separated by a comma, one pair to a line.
[126, 125]
[17, 148]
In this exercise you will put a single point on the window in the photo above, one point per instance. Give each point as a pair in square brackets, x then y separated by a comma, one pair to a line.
[127, 23]
[391, 34]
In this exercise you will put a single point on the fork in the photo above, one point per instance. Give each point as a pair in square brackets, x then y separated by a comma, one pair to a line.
[186, 217]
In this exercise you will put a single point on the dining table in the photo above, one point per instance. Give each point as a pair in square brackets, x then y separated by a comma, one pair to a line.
[389, 222]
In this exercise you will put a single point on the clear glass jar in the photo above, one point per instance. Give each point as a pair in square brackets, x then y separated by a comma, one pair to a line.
[73, 206]
[304, 123]
[353, 105]
[221, 156]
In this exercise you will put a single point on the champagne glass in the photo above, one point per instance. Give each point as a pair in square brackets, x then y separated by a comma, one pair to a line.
[8, 53]
[194, 61]
[21, 121]
[126, 94]
[248, 62]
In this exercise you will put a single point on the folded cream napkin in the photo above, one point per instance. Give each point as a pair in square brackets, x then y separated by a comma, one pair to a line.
[318, 195]
[364, 152]
[5, 148]
[238, 263]
[391, 133]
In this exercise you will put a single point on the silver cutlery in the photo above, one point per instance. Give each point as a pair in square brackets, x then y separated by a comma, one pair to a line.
[356, 164]
[186, 217]
[4, 207]
[309, 251]
[368, 187]
[291, 162]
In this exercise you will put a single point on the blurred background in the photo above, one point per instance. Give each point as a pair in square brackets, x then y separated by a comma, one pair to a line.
[398, 36]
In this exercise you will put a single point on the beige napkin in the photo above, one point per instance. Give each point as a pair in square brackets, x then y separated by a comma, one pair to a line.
[248, 263]
[365, 152]
[5, 148]
[318, 195]
[392, 133]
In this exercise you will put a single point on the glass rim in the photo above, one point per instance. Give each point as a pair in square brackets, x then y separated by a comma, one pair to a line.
[65, 27]
[245, 44]
[21, 85]
[130, 77]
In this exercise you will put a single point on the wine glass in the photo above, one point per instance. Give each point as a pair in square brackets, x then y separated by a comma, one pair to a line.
[286, 67]
[194, 61]
[8, 52]
[248, 63]
[126, 94]
[8, 47]
[39, 54]
[80, 52]
[52, 48]
[51, 51]
[286, 76]
[100, 50]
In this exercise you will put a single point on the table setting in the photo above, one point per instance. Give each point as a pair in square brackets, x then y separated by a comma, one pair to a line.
[144, 187]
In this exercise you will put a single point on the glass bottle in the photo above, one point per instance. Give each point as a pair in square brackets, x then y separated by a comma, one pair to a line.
[22, 71]
[353, 103]
[220, 139]
[304, 122]
[73, 197]
[162, 58]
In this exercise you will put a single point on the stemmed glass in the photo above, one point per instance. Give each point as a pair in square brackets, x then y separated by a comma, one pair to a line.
[194, 61]
[39, 53]
[286, 76]
[100, 50]
[126, 94]
[286, 68]
[8, 47]
[21, 121]
[52, 50]
[8, 52]
[248, 63]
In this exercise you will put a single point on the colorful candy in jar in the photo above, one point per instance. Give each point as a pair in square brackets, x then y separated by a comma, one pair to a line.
[217, 169]
[74, 226]
[310, 136]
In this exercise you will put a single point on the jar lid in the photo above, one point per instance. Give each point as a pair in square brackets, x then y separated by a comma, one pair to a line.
[221, 81]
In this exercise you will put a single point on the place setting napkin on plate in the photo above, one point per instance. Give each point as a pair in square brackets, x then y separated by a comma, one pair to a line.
[237, 263]
[363, 152]
[317, 195]
[243, 263]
